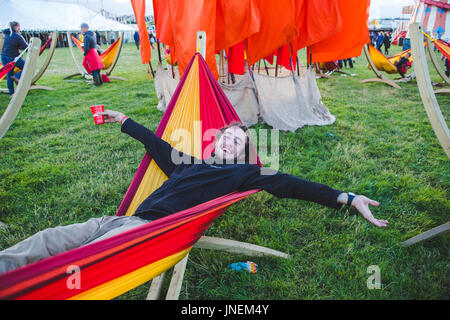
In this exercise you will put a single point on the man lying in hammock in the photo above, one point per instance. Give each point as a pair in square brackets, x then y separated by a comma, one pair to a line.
[190, 182]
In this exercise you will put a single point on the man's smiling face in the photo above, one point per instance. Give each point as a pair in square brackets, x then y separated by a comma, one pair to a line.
[231, 144]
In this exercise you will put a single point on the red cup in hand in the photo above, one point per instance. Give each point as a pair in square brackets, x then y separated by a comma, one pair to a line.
[98, 119]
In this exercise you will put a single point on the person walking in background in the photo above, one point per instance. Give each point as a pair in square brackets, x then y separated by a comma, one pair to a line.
[14, 42]
[386, 43]
[91, 60]
[136, 39]
[380, 39]
[152, 39]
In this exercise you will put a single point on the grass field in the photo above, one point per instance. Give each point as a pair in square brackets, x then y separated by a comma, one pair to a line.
[58, 168]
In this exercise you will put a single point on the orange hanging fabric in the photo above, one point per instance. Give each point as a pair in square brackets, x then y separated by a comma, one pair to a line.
[349, 41]
[277, 28]
[315, 20]
[235, 21]
[162, 21]
[144, 39]
[185, 20]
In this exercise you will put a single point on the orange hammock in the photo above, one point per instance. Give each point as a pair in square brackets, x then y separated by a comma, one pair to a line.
[107, 56]
[115, 265]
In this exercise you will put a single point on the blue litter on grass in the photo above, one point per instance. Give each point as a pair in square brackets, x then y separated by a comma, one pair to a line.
[244, 266]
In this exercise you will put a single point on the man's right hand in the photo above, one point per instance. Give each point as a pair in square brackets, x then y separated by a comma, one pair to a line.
[112, 116]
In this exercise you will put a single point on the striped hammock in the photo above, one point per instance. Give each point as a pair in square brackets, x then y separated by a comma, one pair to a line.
[112, 266]
[107, 56]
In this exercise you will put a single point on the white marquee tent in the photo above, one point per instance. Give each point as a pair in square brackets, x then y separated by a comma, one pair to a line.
[47, 15]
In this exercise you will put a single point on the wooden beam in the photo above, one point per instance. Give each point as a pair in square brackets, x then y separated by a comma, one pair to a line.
[446, 90]
[177, 279]
[237, 247]
[156, 287]
[212, 243]
[435, 61]
[22, 89]
[426, 90]
[47, 60]
[440, 230]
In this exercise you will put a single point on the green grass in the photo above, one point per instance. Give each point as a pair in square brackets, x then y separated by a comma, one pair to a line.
[58, 168]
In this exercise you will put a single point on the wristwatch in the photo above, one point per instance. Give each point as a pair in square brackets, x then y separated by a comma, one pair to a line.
[350, 198]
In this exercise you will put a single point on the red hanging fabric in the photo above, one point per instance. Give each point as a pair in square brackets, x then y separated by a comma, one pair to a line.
[236, 60]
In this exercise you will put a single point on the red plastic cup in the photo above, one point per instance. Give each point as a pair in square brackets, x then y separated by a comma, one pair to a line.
[98, 119]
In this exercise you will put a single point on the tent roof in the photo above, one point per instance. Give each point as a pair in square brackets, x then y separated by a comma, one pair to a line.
[39, 16]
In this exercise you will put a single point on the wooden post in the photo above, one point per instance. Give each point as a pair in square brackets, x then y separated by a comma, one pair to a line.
[442, 229]
[211, 243]
[426, 90]
[265, 66]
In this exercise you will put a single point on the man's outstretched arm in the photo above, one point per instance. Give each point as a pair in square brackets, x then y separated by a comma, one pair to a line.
[159, 150]
[288, 186]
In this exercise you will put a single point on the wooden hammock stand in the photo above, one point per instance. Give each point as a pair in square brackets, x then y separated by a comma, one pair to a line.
[42, 69]
[380, 77]
[22, 89]
[434, 114]
[82, 72]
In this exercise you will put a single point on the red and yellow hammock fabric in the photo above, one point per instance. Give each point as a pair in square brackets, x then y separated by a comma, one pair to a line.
[383, 63]
[443, 47]
[110, 267]
[107, 56]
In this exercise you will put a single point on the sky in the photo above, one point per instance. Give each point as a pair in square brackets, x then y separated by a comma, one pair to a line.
[388, 8]
[378, 8]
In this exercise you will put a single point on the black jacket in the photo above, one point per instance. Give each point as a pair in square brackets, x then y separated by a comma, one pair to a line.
[89, 41]
[190, 183]
[13, 43]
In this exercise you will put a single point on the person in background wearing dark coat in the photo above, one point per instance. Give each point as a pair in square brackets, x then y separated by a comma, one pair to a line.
[14, 42]
[89, 57]
[380, 39]
[386, 43]
[136, 39]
